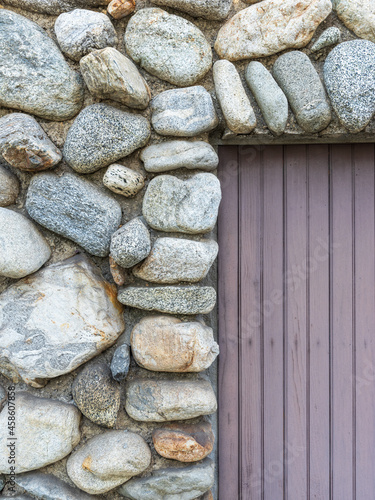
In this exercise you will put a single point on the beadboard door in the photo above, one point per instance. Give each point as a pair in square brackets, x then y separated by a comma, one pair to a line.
[297, 323]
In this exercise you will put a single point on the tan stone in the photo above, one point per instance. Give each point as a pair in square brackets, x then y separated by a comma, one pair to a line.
[165, 344]
[117, 272]
[121, 8]
[358, 16]
[184, 442]
[269, 27]
[207, 496]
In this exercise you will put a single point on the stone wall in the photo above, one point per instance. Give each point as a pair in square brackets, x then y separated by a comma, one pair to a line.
[109, 202]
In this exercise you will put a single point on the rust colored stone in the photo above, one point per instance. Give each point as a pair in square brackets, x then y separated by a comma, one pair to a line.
[207, 496]
[118, 274]
[121, 8]
[184, 442]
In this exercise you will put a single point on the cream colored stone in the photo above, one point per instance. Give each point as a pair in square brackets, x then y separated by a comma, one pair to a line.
[121, 8]
[123, 180]
[358, 16]
[270, 27]
[165, 344]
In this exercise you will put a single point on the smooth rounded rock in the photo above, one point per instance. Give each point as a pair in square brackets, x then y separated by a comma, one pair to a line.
[97, 395]
[47, 430]
[171, 155]
[23, 248]
[81, 31]
[9, 187]
[161, 400]
[168, 46]
[269, 96]
[102, 134]
[235, 105]
[165, 344]
[131, 243]
[121, 8]
[170, 299]
[55, 320]
[123, 180]
[120, 362]
[74, 208]
[349, 77]
[108, 460]
[268, 28]
[25, 145]
[214, 10]
[329, 37]
[118, 273]
[110, 75]
[302, 86]
[175, 205]
[53, 7]
[172, 260]
[184, 442]
[183, 112]
[49, 487]
[34, 76]
[358, 16]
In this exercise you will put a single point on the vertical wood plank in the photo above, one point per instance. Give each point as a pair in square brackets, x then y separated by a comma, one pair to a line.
[296, 313]
[319, 404]
[273, 324]
[364, 321]
[342, 323]
[251, 324]
[228, 412]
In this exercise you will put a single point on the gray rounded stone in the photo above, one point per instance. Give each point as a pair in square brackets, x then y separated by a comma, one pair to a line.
[110, 75]
[349, 76]
[74, 208]
[170, 299]
[183, 112]
[9, 187]
[175, 205]
[47, 430]
[171, 155]
[235, 105]
[57, 319]
[182, 483]
[97, 395]
[174, 259]
[120, 362]
[131, 243]
[162, 400]
[108, 460]
[168, 46]
[81, 31]
[25, 145]
[269, 96]
[23, 249]
[123, 180]
[48, 487]
[214, 10]
[302, 86]
[358, 16]
[34, 76]
[329, 37]
[54, 7]
[102, 134]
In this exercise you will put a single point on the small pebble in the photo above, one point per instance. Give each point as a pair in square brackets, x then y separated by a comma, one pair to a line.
[9, 187]
[123, 180]
[130, 244]
[120, 362]
[118, 274]
[121, 8]
[329, 37]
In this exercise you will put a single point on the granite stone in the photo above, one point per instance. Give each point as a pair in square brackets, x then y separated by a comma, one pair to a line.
[120, 362]
[123, 180]
[168, 46]
[53, 7]
[74, 208]
[131, 243]
[102, 134]
[34, 76]
[9, 187]
[214, 10]
[49, 487]
[329, 37]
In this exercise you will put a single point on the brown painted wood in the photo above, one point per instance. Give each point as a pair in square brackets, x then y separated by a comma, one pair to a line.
[297, 321]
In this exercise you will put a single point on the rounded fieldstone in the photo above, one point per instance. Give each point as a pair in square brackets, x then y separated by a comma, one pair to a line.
[214, 10]
[9, 187]
[102, 134]
[108, 460]
[130, 244]
[269, 96]
[23, 248]
[53, 7]
[97, 395]
[349, 77]
[121, 8]
[358, 16]
[81, 31]
[123, 180]
[49, 487]
[329, 37]
[34, 76]
[168, 46]
[120, 362]
[302, 86]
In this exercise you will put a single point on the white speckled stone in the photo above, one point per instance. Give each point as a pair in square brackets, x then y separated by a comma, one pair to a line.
[214, 10]
[235, 105]
[168, 46]
[269, 96]
[81, 31]
[329, 37]
[131, 243]
[53, 7]
[23, 248]
[123, 180]
[110, 75]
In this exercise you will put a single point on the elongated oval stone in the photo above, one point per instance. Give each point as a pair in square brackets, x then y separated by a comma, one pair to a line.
[34, 76]
[49, 487]
[214, 10]
[54, 7]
